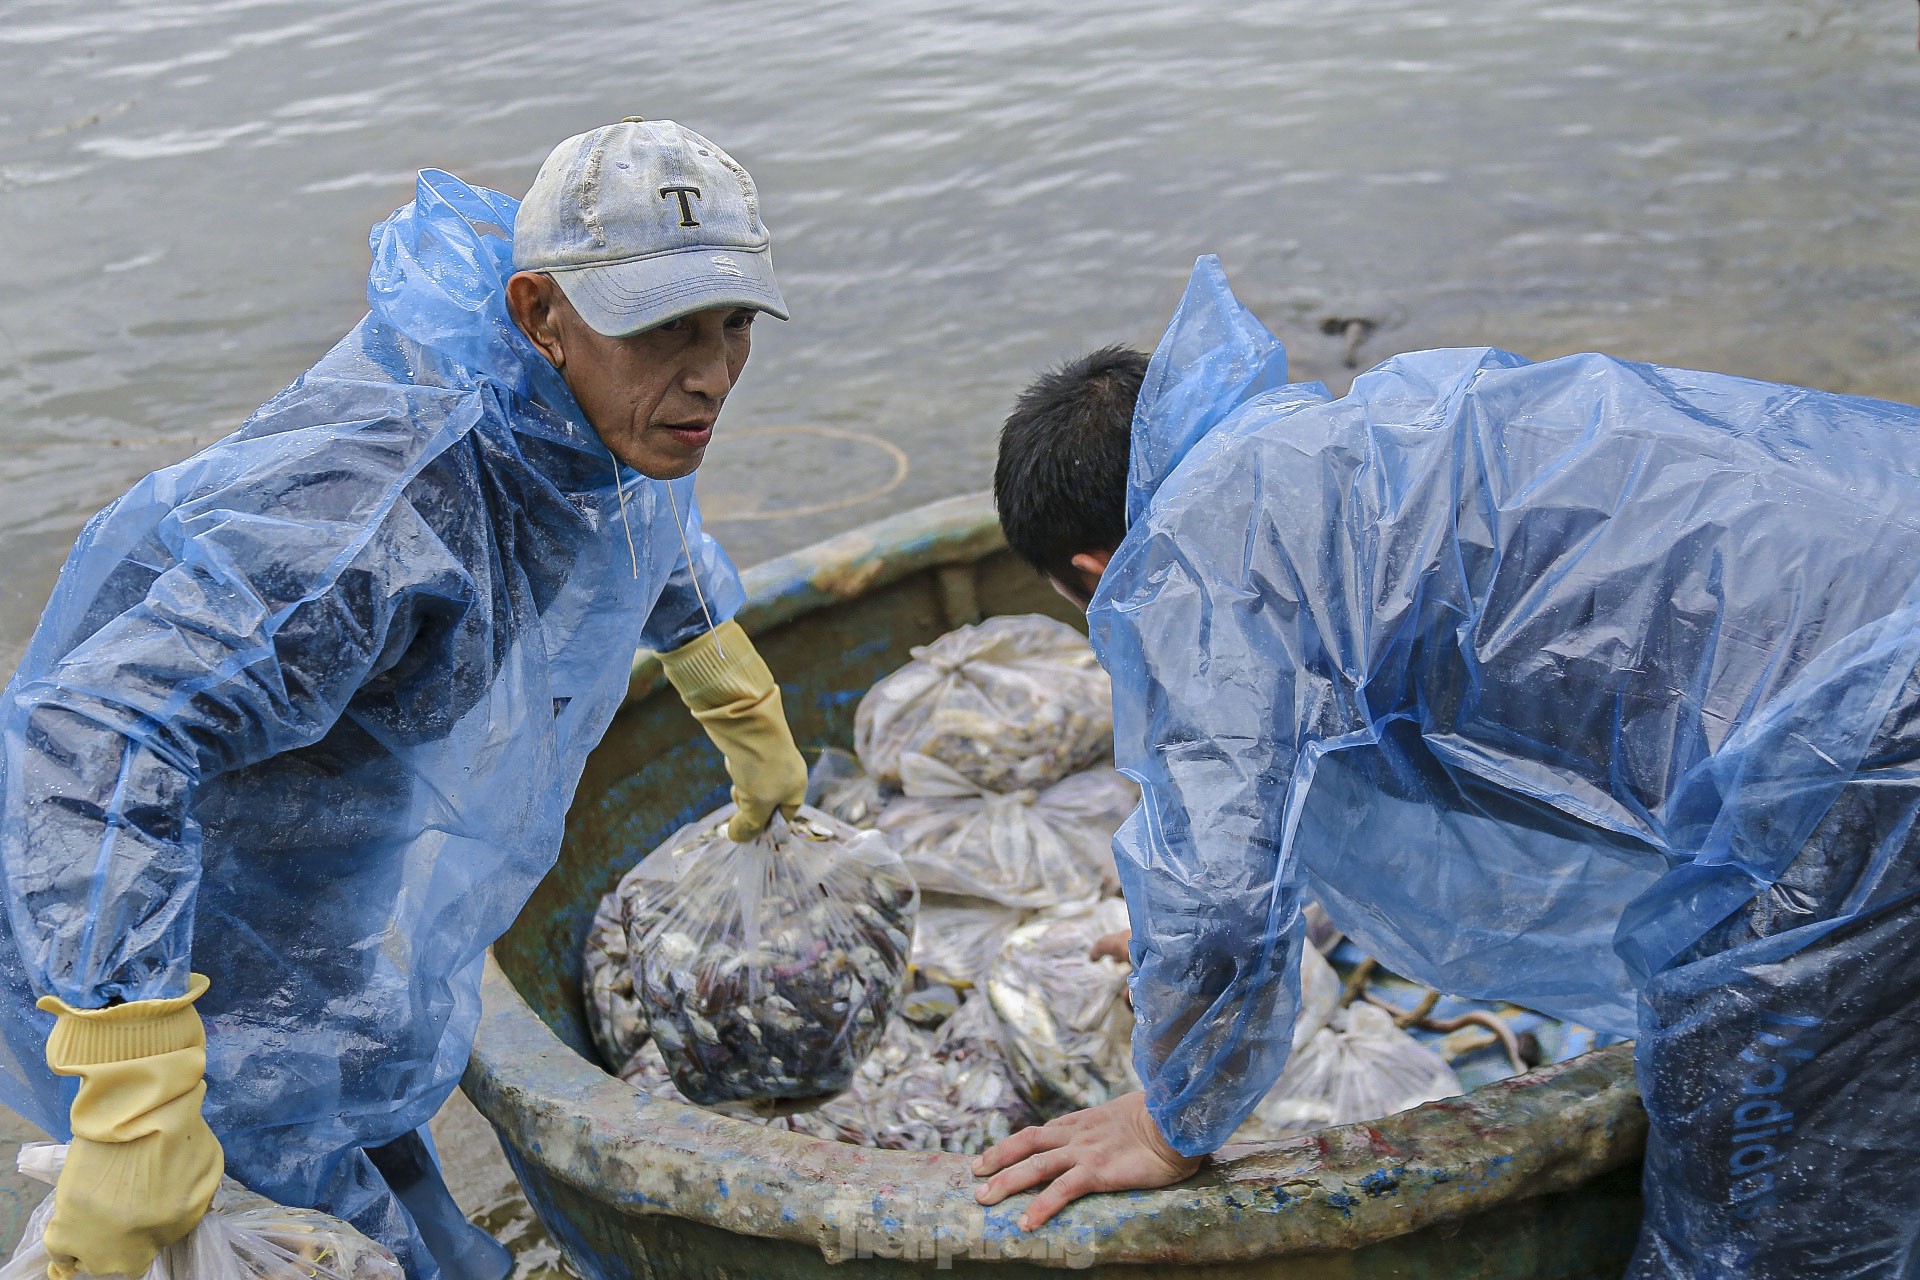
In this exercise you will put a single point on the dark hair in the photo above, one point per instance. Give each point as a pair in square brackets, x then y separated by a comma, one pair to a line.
[1061, 481]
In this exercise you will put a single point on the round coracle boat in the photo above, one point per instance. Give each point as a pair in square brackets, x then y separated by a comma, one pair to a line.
[1533, 1176]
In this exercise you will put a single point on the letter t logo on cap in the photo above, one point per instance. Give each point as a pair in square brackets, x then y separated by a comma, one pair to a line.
[686, 209]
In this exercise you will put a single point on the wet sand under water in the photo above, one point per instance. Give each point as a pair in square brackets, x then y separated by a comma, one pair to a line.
[484, 1187]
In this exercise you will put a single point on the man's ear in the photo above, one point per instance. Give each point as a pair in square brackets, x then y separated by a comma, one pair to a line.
[1092, 563]
[530, 302]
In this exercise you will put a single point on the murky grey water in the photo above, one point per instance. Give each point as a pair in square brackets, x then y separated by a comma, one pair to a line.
[960, 190]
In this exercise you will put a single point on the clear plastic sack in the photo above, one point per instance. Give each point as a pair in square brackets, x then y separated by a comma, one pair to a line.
[838, 785]
[647, 1071]
[1358, 1067]
[957, 940]
[1067, 1026]
[1014, 702]
[769, 969]
[865, 1115]
[243, 1237]
[921, 1090]
[1029, 849]
[1067, 1021]
[949, 1090]
[614, 1017]
[1319, 996]
[978, 1101]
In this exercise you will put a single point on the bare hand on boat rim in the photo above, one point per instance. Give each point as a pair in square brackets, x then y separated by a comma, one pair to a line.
[1112, 1147]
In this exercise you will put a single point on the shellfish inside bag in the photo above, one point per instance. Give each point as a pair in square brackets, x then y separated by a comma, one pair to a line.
[768, 969]
[1014, 702]
[838, 784]
[1028, 849]
[945, 1090]
[606, 978]
[1067, 1023]
[957, 939]
[1360, 1066]
[243, 1237]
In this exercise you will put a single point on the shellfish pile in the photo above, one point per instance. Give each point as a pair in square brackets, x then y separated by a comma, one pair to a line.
[768, 969]
[946, 1023]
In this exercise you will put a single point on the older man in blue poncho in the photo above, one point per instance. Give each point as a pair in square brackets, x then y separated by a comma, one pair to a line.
[1587, 685]
[295, 737]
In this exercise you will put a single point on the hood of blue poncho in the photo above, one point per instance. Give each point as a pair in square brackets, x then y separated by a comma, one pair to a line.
[439, 279]
[1214, 357]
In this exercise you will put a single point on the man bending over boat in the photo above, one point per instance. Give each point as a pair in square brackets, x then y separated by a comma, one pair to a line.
[296, 734]
[1586, 685]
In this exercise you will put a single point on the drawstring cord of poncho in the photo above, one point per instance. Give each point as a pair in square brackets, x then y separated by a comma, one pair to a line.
[679, 525]
[698, 594]
[620, 491]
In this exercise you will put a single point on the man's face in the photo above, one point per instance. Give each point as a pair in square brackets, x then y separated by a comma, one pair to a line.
[652, 397]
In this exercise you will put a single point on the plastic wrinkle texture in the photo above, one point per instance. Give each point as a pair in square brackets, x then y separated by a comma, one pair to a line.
[615, 1018]
[946, 1090]
[242, 1237]
[1585, 685]
[1030, 849]
[1357, 1068]
[919, 1090]
[1013, 703]
[318, 696]
[1320, 990]
[957, 939]
[838, 785]
[1064, 1015]
[768, 969]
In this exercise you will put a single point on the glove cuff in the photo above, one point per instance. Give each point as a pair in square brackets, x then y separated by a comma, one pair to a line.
[124, 1032]
[717, 668]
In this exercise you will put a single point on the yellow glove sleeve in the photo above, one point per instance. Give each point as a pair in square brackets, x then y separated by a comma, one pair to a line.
[143, 1165]
[726, 684]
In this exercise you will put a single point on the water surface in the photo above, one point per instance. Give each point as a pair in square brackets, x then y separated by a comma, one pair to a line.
[961, 191]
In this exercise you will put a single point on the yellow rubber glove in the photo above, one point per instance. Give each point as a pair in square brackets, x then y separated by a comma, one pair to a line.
[143, 1165]
[726, 684]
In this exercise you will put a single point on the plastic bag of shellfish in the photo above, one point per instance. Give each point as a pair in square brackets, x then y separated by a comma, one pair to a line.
[1027, 848]
[606, 977]
[957, 939]
[920, 1090]
[648, 1072]
[946, 1090]
[243, 1237]
[768, 969]
[1360, 1066]
[977, 1101]
[1014, 702]
[1067, 1022]
[838, 784]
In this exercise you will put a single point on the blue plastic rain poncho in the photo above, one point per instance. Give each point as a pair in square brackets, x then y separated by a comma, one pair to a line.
[305, 713]
[1584, 684]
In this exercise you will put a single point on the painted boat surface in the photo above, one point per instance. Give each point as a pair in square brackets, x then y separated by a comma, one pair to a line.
[1535, 1176]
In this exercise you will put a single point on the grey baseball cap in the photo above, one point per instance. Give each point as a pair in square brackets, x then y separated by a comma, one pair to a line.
[645, 221]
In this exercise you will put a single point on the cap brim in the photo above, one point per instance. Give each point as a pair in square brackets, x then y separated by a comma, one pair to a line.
[618, 299]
